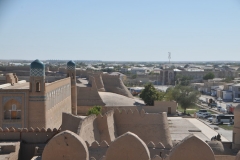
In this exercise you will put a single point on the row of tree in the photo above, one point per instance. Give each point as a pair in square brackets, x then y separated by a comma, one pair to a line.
[186, 96]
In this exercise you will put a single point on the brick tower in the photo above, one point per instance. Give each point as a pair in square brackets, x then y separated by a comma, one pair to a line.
[37, 105]
[71, 72]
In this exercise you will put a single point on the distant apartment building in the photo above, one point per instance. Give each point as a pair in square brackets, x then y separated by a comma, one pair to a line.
[141, 70]
[236, 90]
[169, 76]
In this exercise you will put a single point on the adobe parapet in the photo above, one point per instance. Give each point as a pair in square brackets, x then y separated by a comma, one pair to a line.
[31, 135]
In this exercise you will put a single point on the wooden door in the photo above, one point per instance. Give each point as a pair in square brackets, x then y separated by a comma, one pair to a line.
[13, 114]
[169, 110]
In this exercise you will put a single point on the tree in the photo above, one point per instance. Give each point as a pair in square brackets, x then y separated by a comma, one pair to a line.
[208, 76]
[168, 95]
[149, 94]
[95, 110]
[183, 80]
[186, 96]
[228, 79]
[134, 76]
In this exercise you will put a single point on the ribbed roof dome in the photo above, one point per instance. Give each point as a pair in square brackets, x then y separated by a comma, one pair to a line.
[71, 63]
[37, 64]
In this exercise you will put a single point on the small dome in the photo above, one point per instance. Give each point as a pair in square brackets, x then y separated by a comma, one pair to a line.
[71, 63]
[237, 108]
[37, 64]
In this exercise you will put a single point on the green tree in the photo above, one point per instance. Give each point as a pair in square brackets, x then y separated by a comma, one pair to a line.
[183, 80]
[95, 110]
[134, 76]
[186, 96]
[186, 66]
[208, 76]
[168, 95]
[149, 94]
[228, 79]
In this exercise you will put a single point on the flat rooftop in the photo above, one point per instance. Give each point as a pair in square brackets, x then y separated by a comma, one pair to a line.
[18, 86]
[24, 85]
[182, 127]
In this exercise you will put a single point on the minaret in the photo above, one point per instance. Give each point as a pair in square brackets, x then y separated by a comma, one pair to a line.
[37, 103]
[71, 72]
[236, 129]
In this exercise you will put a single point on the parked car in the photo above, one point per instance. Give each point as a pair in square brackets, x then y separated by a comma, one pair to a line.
[223, 110]
[200, 112]
[213, 105]
[219, 99]
[210, 119]
[205, 115]
[219, 108]
[236, 100]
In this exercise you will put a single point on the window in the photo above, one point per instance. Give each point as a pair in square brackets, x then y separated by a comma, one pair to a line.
[14, 107]
[38, 87]
[72, 76]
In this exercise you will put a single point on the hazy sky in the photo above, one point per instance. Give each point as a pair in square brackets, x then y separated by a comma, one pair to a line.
[133, 30]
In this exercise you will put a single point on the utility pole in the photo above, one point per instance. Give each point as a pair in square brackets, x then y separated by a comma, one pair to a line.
[169, 56]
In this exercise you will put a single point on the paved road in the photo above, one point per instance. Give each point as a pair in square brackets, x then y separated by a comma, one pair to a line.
[227, 134]
[222, 104]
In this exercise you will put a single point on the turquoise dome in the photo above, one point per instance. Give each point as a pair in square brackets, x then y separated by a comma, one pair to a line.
[37, 65]
[71, 63]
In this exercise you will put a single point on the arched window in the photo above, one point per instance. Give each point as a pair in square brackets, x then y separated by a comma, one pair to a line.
[38, 87]
[12, 110]
[14, 107]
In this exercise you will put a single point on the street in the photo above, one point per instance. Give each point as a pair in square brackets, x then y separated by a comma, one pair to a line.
[222, 104]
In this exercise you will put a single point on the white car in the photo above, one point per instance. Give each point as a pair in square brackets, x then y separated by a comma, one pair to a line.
[219, 99]
[200, 112]
[223, 110]
[219, 108]
[205, 115]
[236, 100]
[210, 119]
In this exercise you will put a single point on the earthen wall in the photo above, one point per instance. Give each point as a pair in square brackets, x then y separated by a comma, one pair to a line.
[149, 127]
[82, 110]
[88, 96]
[106, 126]
[114, 84]
[98, 81]
[27, 135]
[88, 129]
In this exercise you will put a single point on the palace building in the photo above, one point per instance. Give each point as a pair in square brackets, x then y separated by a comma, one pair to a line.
[37, 103]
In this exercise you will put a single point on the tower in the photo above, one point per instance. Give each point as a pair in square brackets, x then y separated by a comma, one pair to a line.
[71, 72]
[236, 129]
[37, 100]
[37, 77]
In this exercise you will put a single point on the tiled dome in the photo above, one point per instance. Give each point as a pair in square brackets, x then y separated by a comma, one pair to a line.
[71, 63]
[37, 64]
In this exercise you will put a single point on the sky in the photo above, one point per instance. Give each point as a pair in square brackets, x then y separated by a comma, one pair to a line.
[126, 30]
